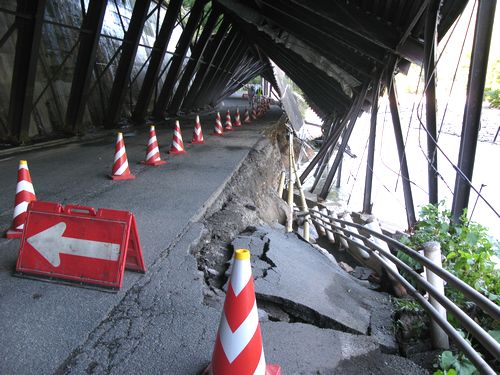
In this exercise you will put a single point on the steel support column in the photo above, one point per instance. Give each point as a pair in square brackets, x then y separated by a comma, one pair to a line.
[29, 31]
[215, 72]
[207, 60]
[237, 52]
[332, 142]
[430, 47]
[212, 70]
[178, 58]
[188, 74]
[89, 40]
[325, 147]
[367, 197]
[129, 49]
[405, 175]
[472, 112]
[353, 117]
[156, 58]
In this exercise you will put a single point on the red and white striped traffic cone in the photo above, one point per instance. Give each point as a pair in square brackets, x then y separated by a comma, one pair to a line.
[24, 195]
[229, 125]
[254, 114]
[197, 132]
[247, 117]
[177, 143]
[237, 122]
[153, 152]
[238, 346]
[218, 130]
[121, 171]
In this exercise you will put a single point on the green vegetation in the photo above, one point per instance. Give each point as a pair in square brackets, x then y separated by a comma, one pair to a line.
[466, 246]
[492, 91]
[467, 250]
[493, 97]
[455, 364]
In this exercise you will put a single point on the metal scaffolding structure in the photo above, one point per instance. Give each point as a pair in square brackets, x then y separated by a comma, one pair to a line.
[184, 56]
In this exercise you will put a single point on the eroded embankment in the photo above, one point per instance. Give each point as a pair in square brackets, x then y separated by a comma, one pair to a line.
[295, 282]
[249, 199]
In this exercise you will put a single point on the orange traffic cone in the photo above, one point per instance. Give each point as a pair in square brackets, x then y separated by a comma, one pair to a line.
[247, 117]
[24, 195]
[177, 143]
[237, 121]
[153, 152]
[121, 171]
[197, 132]
[238, 346]
[218, 130]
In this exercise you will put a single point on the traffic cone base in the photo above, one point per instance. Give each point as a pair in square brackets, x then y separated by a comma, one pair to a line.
[13, 233]
[154, 163]
[122, 177]
[270, 370]
[177, 152]
[197, 142]
[217, 134]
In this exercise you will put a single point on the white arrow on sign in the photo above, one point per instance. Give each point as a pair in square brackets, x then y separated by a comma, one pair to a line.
[50, 243]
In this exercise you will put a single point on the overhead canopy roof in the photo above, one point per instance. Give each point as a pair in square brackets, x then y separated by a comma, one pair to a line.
[330, 49]
[333, 50]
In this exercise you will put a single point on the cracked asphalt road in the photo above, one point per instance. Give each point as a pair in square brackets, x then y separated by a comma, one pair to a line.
[157, 323]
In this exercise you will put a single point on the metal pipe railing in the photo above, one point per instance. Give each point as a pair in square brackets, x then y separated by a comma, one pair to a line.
[483, 302]
[490, 344]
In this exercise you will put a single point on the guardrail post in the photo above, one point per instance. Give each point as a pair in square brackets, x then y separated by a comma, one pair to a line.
[281, 185]
[303, 200]
[432, 250]
[291, 182]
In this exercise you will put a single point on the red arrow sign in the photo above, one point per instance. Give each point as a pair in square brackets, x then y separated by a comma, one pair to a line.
[79, 244]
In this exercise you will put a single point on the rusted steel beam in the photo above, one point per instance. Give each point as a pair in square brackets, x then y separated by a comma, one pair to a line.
[29, 33]
[85, 61]
[430, 50]
[472, 115]
[367, 197]
[129, 49]
[178, 59]
[405, 175]
[154, 67]
[188, 74]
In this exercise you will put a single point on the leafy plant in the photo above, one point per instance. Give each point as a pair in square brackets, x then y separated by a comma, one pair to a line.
[451, 363]
[466, 246]
[455, 364]
[406, 305]
[468, 254]
[493, 97]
